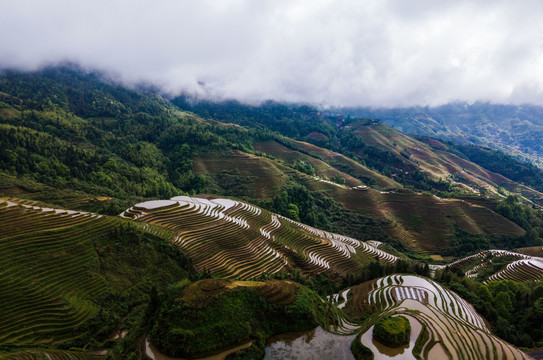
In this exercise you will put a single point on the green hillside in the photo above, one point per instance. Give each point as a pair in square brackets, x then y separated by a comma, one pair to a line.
[276, 210]
[74, 279]
[233, 239]
[513, 129]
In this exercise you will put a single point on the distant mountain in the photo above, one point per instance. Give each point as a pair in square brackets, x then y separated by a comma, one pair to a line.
[517, 130]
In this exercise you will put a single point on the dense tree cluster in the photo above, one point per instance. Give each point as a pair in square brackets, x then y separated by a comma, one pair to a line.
[514, 310]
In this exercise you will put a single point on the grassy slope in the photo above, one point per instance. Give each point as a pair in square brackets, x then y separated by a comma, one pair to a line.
[261, 176]
[432, 158]
[421, 221]
[213, 315]
[130, 145]
[74, 279]
[513, 129]
[324, 169]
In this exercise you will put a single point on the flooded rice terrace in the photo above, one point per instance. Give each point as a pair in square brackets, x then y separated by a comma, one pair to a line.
[314, 344]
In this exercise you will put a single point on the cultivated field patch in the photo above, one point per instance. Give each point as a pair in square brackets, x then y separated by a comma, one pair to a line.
[239, 240]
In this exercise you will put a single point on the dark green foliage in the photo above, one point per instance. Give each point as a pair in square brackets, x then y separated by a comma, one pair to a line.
[512, 309]
[304, 167]
[299, 122]
[465, 243]
[393, 331]
[421, 340]
[338, 179]
[360, 352]
[319, 210]
[230, 319]
[78, 135]
[76, 130]
[528, 218]
[292, 121]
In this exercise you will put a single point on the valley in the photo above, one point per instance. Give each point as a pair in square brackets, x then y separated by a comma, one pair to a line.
[130, 220]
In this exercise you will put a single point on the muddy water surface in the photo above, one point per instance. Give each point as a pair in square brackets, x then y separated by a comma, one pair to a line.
[384, 352]
[315, 344]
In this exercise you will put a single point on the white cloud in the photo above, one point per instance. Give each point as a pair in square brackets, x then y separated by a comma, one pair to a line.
[381, 53]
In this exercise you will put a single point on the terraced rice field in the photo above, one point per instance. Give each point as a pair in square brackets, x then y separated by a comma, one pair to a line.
[526, 268]
[238, 240]
[455, 329]
[532, 251]
[264, 176]
[46, 289]
[421, 222]
[51, 355]
[521, 271]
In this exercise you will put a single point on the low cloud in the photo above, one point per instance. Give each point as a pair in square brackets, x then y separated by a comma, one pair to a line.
[370, 53]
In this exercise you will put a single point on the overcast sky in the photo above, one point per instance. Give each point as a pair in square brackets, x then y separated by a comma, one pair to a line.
[376, 53]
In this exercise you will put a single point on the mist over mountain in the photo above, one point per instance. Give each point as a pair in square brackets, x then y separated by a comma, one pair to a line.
[516, 130]
[271, 179]
[348, 54]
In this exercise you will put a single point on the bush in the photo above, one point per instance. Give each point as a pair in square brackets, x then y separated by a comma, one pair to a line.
[212, 316]
[360, 352]
[392, 331]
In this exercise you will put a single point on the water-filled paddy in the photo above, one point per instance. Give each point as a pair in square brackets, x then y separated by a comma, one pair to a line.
[384, 352]
[315, 344]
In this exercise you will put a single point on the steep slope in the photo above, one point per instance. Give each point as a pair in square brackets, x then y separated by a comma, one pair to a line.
[238, 240]
[76, 139]
[432, 158]
[326, 163]
[514, 129]
[72, 279]
[422, 222]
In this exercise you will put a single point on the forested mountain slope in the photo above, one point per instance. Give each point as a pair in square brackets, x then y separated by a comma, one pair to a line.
[516, 130]
[105, 147]
[296, 204]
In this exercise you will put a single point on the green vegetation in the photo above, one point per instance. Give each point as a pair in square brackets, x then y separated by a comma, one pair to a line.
[73, 281]
[78, 138]
[360, 352]
[504, 164]
[226, 314]
[421, 341]
[319, 210]
[515, 130]
[527, 217]
[300, 122]
[513, 309]
[393, 331]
